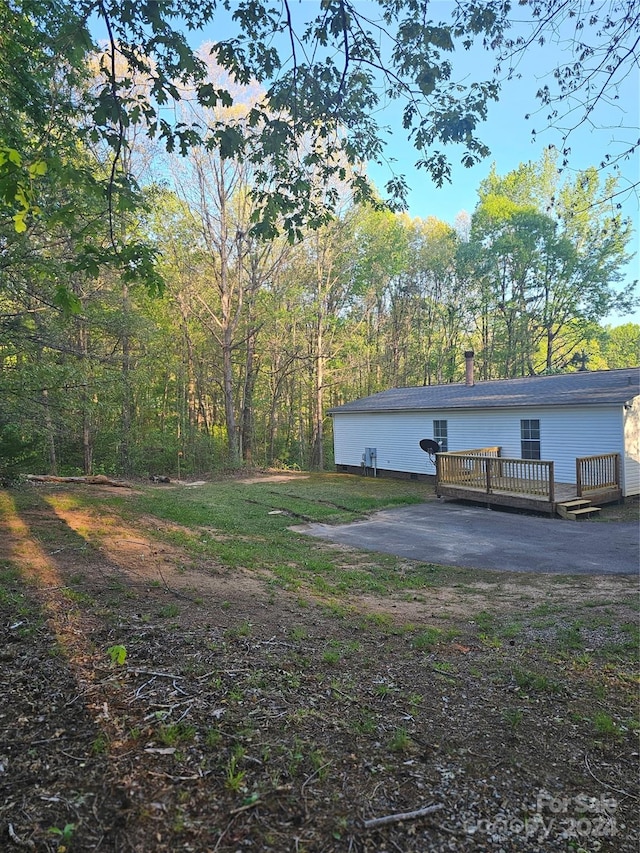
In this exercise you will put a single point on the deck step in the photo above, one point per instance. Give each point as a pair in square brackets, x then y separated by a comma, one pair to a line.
[577, 509]
[585, 512]
[565, 507]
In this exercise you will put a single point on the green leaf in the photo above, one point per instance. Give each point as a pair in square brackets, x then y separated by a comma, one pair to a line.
[37, 169]
[66, 300]
[118, 654]
[20, 221]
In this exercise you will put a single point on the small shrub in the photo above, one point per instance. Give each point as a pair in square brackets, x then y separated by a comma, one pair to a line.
[513, 716]
[174, 733]
[605, 725]
[235, 776]
[534, 681]
[65, 834]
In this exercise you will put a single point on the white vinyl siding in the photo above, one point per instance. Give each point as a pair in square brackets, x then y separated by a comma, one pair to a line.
[395, 436]
[567, 432]
[631, 457]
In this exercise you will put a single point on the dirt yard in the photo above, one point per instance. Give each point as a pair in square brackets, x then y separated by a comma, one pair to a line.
[155, 700]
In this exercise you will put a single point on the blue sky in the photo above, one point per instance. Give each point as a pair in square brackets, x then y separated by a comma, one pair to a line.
[510, 139]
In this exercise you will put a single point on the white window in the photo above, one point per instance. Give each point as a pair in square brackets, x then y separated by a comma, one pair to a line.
[440, 435]
[530, 439]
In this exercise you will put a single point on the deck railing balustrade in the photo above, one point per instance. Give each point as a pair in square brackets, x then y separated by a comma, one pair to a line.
[595, 473]
[524, 482]
[495, 473]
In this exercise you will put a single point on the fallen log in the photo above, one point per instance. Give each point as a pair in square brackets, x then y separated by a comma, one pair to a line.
[375, 822]
[97, 480]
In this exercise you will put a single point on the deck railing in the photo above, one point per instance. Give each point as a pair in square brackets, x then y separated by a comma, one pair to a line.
[597, 473]
[481, 451]
[496, 474]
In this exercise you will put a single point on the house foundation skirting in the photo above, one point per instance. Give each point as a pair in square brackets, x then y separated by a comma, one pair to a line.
[384, 472]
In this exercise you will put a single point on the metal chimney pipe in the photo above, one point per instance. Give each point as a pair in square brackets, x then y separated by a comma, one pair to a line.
[468, 356]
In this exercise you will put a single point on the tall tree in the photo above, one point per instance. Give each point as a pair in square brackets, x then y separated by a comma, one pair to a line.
[381, 241]
[440, 318]
[621, 345]
[326, 273]
[549, 255]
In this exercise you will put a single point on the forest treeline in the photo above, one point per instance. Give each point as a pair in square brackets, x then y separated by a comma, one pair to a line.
[251, 340]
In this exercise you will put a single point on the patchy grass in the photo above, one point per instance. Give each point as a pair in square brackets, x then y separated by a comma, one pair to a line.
[629, 510]
[182, 671]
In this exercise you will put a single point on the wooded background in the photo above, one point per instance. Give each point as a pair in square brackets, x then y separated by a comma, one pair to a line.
[161, 312]
[252, 341]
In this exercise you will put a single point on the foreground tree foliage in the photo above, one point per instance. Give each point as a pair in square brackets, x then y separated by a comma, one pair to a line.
[324, 72]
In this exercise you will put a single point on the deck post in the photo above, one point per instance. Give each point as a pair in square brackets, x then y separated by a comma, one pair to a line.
[617, 469]
[578, 478]
[488, 462]
[551, 483]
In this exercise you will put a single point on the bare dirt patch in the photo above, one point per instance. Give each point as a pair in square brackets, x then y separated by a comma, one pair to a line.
[274, 478]
[156, 701]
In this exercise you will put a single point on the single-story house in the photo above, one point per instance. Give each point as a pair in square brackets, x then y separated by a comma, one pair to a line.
[558, 418]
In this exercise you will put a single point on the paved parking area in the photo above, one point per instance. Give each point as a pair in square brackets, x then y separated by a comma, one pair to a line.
[452, 534]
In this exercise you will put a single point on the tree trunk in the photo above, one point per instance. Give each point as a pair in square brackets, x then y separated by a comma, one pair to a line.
[87, 437]
[51, 440]
[317, 451]
[247, 402]
[127, 397]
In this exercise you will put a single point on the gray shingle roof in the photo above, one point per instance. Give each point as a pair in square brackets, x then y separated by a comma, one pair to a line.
[599, 387]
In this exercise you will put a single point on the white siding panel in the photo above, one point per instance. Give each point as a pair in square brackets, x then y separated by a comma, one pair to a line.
[565, 433]
[395, 436]
[631, 464]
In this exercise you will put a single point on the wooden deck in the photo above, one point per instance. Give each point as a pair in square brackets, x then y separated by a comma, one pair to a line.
[518, 500]
[483, 476]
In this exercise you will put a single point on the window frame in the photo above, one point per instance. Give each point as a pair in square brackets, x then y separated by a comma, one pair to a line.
[441, 435]
[530, 438]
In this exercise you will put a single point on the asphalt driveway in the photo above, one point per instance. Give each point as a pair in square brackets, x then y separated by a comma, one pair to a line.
[453, 534]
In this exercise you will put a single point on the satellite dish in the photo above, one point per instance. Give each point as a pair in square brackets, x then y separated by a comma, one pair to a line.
[431, 447]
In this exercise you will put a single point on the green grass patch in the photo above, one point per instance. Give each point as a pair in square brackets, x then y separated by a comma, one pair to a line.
[485, 622]
[13, 598]
[252, 523]
[248, 525]
[400, 740]
[172, 734]
[570, 637]
[534, 682]
[232, 506]
[426, 639]
[605, 725]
